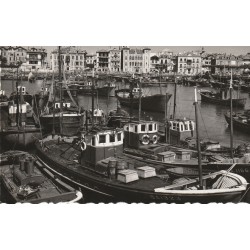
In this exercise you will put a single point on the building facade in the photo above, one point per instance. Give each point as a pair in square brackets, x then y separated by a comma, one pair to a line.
[72, 58]
[135, 60]
[102, 60]
[115, 60]
[36, 59]
[222, 64]
[12, 55]
[188, 63]
[90, 61]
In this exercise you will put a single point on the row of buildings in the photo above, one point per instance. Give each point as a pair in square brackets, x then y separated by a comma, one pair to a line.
[126, 59]
[29, 58]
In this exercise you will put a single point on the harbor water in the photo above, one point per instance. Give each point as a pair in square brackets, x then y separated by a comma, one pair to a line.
[213, 125]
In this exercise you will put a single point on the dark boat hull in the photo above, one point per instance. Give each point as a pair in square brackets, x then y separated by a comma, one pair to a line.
[154, 103]
[71, 125]
[20, 138]
[107, 192]
[106, 91]
[236, 102]
[238, 124]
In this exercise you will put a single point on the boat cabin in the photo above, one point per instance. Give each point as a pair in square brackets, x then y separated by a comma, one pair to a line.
[65, 105]
[139, 133]
[179, 130]
[21, 89]
[99, 145]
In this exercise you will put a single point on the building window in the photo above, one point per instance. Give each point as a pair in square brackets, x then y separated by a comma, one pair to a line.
[76, 57]
[102, 138]
[181, 60]
[180, 65]
[80, 57]
[136, 128]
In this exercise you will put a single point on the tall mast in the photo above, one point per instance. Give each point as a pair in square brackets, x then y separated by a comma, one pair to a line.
[160, 82]
[93, 97]
[131, 98]
[60, 85]
[17, 101]
[198, 137]
[166, 114]
[175, 87]
[53, 110]
[231, 115]
[140, 93]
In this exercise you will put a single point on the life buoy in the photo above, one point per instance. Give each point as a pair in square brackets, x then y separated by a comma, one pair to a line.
[145, 139]
[154, 139]
[83, 145]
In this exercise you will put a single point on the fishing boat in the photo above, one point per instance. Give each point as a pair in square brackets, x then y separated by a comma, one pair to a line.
[130, 98]
[107, 90]
[61, 116]
[241, 121]
[25, 95]
[19, 124]
[96, 164]
[24, 179]
[221, 98]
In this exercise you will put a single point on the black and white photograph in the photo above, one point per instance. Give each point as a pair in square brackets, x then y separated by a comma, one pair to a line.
[124, 123]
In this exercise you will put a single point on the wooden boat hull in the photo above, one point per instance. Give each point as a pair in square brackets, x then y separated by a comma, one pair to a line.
[71, 125]
[20, 138]
[51, 188]
[108, 192]
[238, 124]
[153, 103]
[106, 91]
[236, 102]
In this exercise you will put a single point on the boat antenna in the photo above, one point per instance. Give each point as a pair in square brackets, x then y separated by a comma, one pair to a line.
[198, 137]
[175, 87]
[231, 115]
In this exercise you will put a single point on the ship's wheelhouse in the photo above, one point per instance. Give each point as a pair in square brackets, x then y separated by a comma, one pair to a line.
[142, 128]
[181, 125]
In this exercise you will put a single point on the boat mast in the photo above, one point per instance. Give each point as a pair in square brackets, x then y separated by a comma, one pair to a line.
[198, 137]
[131, 97]
[60, 86]
[17, 101]
[175, 87]
[231, 115]
[140, 93]
[166, 119]
[160, 82]
[53, 110]
[93, 97]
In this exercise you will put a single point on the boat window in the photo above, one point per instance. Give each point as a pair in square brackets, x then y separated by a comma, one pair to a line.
[136, 128]
[155, 126]
[186, 125]
[93, 141]
[143, 127]
[181, 127]
[112, 138]
[119, 136]
[150, 127]
[191, 126]
[102, 138]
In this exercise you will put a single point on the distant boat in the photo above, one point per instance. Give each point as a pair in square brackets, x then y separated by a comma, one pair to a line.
[219, 98]
[241, 121]
[158, 100]
[25, 180]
